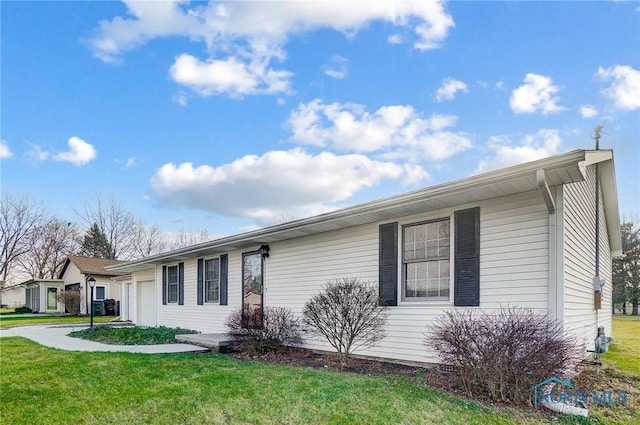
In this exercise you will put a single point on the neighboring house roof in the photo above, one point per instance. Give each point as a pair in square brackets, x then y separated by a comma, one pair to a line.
[31, 281]
[556, 170]
[94, 266]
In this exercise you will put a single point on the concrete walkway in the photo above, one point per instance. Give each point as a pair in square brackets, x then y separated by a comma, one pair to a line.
[56, 336]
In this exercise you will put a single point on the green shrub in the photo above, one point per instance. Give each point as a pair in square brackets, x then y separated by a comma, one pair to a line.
[131, 335]
[22, 310]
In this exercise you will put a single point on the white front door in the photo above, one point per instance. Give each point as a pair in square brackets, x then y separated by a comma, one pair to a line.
[146, 303]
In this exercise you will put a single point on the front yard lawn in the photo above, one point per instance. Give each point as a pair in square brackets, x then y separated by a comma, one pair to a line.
[45, 386]
[9, 322]
[624, 353]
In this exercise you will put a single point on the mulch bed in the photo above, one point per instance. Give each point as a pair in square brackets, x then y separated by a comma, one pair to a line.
[299, 357]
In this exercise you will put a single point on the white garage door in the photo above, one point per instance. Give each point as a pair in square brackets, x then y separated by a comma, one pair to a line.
[146, 303]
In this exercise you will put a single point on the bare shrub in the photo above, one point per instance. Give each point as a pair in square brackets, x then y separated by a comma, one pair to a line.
[348, 314]
[502, 354]
[278, 327]
[70, 300]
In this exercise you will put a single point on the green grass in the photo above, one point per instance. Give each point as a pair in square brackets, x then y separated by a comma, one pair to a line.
[7, 310]
[9, 322]
[131, 335]
[624, 353]
[46, 386]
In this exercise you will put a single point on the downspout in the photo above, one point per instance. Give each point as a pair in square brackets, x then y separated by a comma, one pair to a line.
[596, 279]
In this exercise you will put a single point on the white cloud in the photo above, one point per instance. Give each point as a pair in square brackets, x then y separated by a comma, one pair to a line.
[221, 24]
[449, 89]
[231, 76]
[535, 95]
[588, 111]
[546, 142]
[181, 99]
[243, 37]
[274, 184]
[337, 67]
[130, 163]
[396, 131]
[5, 152]
[624, 90]
[395, 39]
[79, 153]
[37, 154]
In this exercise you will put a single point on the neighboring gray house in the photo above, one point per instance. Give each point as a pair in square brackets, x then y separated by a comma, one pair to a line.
[519, 236]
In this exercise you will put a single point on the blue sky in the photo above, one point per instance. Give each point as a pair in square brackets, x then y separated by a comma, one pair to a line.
[230, 116]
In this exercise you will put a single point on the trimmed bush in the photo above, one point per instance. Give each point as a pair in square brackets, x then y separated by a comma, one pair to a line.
[22, 310]
[504, 353]
[348, 314]
[269, 330]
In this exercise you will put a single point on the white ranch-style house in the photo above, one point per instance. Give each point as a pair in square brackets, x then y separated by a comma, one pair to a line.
[520, 236]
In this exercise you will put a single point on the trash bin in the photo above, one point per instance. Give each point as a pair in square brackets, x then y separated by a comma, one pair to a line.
[110, 307]
[98, 308]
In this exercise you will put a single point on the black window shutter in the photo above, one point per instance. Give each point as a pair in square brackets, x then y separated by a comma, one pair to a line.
[224, 278]
[164, 285]
[467, 258]
[180, 283]
[388, 264]
[200, 281]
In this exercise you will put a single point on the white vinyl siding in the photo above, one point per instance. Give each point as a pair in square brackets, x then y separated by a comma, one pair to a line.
[204, 318]
[579, 261]
[513, 272]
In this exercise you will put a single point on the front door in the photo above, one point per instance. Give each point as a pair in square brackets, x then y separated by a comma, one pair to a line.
[252, 271]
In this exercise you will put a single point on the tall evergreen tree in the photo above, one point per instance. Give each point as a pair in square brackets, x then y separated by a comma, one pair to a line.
[95, 244]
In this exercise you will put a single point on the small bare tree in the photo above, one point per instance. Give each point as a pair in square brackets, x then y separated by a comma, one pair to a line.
[348, 314]
[70, 300]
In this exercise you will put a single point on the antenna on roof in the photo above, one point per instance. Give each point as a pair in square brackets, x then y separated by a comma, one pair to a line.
[596, 136]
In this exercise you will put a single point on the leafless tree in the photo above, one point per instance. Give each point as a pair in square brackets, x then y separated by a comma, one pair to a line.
[147, 240]
[19, 216]
[116, 223]
[348, 314]
[184, 239]
[51, 242]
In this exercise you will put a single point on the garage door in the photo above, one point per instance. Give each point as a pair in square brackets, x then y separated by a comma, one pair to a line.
[146, 303]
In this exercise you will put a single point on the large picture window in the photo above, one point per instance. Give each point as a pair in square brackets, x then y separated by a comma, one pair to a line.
[212, 280]
[426, 251]
[172, 284]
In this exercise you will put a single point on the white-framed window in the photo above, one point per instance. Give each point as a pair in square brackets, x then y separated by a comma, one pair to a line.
[100, 293]
[426, 260]
[212, 280]
[172, 284]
